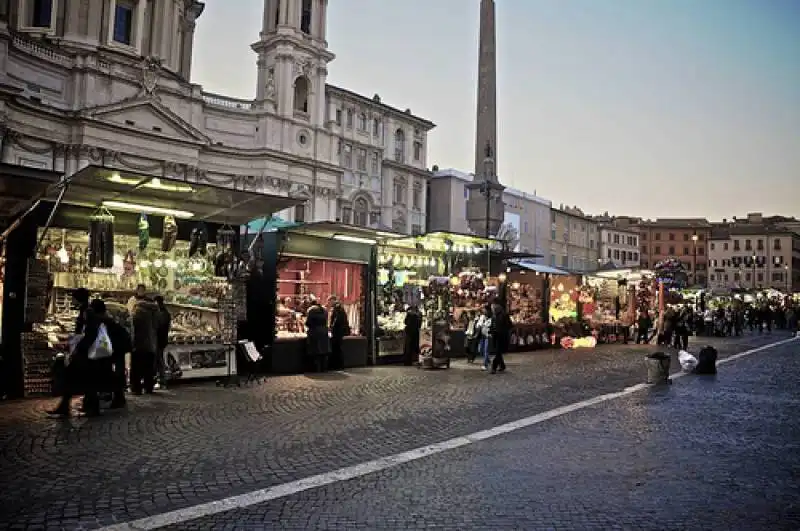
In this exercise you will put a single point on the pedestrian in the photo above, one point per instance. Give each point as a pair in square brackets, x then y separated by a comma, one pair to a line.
[317, 340]
[500, 337]
[413, 328]
[340, 328]
[643, 325]
[145, 320]
[484, 326]
[164, 324]
[472, 336]
[112, 371]
[78, 377]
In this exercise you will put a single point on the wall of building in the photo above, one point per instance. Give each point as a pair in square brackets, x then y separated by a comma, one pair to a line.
[777, 260]
[619, 247]
[662, 240]
[71, 97]
[534, 230]
[574, 242]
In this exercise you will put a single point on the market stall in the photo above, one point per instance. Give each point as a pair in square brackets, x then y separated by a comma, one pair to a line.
[110, 231]
[527, 294]
[611, 303]
[323, 264]
[441, 274]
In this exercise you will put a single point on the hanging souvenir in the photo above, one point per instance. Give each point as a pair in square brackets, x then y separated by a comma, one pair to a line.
[226, 237]
[101, 239]
[129, 264]
[198, 240]
[170, 234]
[143, 228]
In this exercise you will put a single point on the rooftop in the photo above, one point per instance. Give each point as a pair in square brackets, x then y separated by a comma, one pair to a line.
[376, 101]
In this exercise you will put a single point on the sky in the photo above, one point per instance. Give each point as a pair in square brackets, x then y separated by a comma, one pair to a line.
[653, 108]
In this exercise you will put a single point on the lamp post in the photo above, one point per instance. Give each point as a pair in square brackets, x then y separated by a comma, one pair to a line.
[754, 270]
[788, 279]
[694, 259]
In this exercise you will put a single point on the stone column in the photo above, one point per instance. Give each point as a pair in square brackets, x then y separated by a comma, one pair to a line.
[323, 17]
[188, 44]
[140, 7]
[72, 20]
[486, 127]
[164, 24]
[95, 32]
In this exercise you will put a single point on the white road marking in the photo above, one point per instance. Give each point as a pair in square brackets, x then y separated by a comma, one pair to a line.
[256, 497]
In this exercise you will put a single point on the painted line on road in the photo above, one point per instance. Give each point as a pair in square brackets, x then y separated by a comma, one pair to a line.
[256, 497]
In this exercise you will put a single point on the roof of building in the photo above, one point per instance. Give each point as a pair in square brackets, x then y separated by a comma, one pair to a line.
[676, 223]
[724, 231]
[376, 101]
[615, 228]
[573, 214]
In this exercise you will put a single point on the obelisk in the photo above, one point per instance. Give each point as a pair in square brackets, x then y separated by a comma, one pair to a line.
[485, 210]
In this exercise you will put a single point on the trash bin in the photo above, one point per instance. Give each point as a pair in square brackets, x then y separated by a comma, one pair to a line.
[658, 368]
[707, 361]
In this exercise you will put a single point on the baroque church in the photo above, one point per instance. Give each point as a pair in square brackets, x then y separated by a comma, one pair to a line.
[108, 82]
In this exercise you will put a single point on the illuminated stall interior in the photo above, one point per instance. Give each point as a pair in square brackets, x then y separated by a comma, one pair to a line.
[114, 230]
[443, 275]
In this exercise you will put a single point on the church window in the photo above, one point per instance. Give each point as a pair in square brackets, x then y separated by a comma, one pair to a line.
[305, 17]
[399, 145]
[301, 94]
[123, 22]
[361, 212]
[362, 122]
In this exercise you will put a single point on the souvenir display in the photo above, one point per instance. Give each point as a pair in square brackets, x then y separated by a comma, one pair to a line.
[170, 234]
[101, 239]
[198, 241]
[143, 228]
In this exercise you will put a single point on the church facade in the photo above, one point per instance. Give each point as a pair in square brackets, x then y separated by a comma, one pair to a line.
[108, 82]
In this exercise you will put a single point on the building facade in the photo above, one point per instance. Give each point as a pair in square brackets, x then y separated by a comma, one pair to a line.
[109, 82]
[526, 216]
[754, 256]
[684, 239]
[531, 214]
[574, 240]
[619, 246]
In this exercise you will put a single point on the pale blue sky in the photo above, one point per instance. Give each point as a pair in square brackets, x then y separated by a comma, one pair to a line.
[642, 107]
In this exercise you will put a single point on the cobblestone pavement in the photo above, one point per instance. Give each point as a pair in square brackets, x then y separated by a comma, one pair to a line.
[705, 453]
[196, 444]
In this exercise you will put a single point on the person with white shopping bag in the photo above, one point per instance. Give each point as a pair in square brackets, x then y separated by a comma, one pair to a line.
[90, 345]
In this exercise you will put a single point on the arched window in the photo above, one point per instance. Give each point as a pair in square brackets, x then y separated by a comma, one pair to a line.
[301, 90]
[399, 145]
[361, 212]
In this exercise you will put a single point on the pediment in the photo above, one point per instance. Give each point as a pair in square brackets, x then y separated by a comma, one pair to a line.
[147, 116]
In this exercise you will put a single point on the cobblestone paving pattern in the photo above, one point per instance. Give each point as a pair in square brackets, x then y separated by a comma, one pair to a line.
[200, 443]
[706, 453]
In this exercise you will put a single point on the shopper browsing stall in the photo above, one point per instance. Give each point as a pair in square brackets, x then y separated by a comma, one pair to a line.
[145, 319]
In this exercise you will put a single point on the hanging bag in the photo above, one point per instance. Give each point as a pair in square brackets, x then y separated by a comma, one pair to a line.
[101, 348]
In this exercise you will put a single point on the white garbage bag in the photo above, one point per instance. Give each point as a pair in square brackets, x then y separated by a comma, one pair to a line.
[687, 361]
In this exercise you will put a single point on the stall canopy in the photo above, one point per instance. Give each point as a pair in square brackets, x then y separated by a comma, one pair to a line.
[332, 229]
[96, 186]
[539, 268]
[20, 187]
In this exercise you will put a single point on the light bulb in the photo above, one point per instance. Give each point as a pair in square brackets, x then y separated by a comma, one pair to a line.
[63, 255]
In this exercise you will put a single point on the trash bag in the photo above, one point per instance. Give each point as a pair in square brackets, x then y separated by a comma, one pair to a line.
[707, 361]
[687, 361]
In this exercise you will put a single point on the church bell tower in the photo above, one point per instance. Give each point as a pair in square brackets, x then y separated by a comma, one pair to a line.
[293, 58]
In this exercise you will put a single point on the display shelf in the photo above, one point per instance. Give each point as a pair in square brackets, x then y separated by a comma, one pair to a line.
[191, 307]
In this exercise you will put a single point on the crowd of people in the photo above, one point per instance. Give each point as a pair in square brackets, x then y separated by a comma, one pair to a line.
[682, 321]
[143, 336]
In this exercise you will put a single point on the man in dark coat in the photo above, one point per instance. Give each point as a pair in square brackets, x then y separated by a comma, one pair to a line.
[500, 337]
[164, 323]
[340, 328]
[318, 342]
[413, 325]
[145, 318]
[78, 374]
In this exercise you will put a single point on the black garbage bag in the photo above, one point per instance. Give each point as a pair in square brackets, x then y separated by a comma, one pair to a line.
[707, 361]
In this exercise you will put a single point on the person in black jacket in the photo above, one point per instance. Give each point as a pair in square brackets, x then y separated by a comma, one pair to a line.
[121, 345]
[164, 323]
[413, 326]
[78, 373]
[500, 337]
[340, 328]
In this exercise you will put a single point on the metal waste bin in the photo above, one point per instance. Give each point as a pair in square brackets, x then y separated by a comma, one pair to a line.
[658, 368]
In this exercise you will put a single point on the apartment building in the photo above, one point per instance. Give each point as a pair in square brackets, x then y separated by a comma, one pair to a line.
[574, 240]
[526, 215]
[619, 246]
[754, 255]
[685, 239]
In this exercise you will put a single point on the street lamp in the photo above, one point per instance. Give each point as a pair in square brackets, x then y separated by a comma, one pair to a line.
[694, 259]
[788, 279]
[754, 270]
